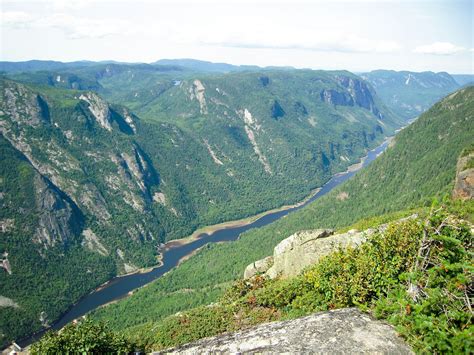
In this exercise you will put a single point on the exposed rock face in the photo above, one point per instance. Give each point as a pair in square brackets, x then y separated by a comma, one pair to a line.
[260, 266]
[357, 93]
[99, 109]
[92, 242]
[8, 302]
[5, 264]
[302, 249]
[24, 106]
[197, 91]
[336, 98]
[59, 220]
[344, 331]
[464, 184]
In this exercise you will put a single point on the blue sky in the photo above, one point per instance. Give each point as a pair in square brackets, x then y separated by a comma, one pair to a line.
[354, 35]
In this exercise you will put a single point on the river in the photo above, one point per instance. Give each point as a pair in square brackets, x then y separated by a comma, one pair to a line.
[120, 287]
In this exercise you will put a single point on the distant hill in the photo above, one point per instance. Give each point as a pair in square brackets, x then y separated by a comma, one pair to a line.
[205, 66]
[35, 65]
[409, 93]
[463, 79]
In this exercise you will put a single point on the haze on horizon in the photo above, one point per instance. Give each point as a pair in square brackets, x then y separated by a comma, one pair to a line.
[354, 35]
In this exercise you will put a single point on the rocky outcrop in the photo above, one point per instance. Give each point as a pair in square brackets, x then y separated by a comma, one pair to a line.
[343, 331]
[258, 267]
[355, 93]
[302, 249]
[5, 264]
[99, 108]
[464, 183]
[336, 98]
[59, 219]
[8, 302]
[92, 242]
[23, 106]
[197, 92]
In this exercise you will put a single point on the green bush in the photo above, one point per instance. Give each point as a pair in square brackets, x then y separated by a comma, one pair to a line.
[85, 337]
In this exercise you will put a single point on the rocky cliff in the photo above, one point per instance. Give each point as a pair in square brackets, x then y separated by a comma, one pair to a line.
[303, 249]
[464, 183]
[342, 331]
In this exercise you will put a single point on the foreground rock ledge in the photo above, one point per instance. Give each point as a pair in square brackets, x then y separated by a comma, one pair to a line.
[346, 331]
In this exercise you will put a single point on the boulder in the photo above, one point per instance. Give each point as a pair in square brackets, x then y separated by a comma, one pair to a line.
[258, 267]
[464, 183]
[302, 249]
[343, 331]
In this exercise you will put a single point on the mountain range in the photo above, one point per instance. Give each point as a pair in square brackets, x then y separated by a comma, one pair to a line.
[103, 162]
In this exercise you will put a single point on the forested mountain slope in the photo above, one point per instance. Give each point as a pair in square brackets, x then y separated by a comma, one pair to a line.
[420, 165]
[106, 188]
[409, 93]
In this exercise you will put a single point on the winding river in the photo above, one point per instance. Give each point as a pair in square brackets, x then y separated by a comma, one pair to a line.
[120, 287]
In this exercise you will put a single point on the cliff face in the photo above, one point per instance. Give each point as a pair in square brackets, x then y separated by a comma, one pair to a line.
[303, 249]
[464, 183]
[83, 149]
[60, 220]
[353, 92]
[342, 331]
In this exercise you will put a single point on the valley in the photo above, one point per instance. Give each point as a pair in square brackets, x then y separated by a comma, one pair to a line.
[236, 177]
[119, 162]
[173, 253]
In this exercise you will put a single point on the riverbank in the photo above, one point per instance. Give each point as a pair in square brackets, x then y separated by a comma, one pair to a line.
[209, 230]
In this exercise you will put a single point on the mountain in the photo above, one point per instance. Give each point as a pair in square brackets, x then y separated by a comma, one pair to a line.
[419, 165]
[205, 66]
[90, 188]
[463, 79]
[36, 65]
[408, 93]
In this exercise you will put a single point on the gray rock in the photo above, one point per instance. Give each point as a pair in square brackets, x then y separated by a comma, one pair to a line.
[59, 220]
[347, 331]
[260, 266]
[302, 249]
[464, 184]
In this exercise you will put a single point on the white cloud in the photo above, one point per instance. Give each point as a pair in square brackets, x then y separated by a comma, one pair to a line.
[305, 40]
[74, 27]
[439, 48]
[16, 19]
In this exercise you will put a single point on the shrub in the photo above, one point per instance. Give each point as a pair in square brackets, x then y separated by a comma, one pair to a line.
[84, 337]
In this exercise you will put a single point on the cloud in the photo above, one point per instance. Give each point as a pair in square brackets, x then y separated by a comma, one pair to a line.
[305, 40]
[16, 19]
[439, 48]
[74, 27]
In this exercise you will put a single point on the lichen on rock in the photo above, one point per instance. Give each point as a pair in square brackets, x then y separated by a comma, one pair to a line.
[343, 331]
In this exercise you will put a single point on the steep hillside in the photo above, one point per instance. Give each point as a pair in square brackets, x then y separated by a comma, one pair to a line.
[285, 124]
[77, 201]
[408, 93]
[113, 187]
[286, 130]
[420, 164]
[47, 263]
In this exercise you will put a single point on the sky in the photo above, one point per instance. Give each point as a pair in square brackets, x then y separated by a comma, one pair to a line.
[356, 35]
